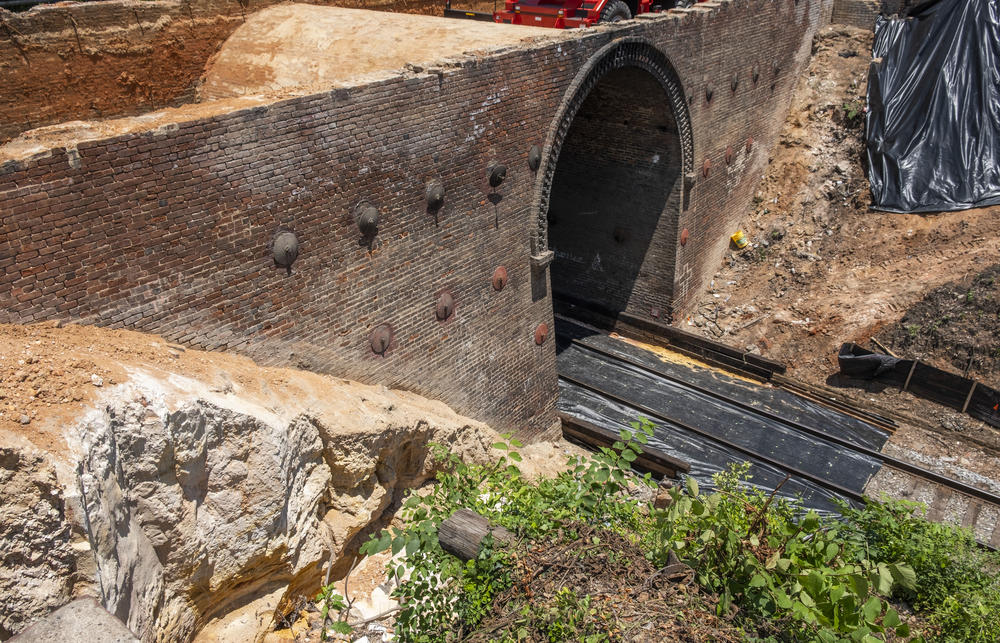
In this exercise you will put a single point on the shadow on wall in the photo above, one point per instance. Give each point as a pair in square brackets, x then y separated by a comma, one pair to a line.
[615, 197]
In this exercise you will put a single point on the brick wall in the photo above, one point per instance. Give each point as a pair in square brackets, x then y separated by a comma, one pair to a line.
[862, 13]
[167, 231]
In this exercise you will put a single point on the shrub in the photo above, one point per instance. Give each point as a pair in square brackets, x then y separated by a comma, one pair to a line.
[958, 592]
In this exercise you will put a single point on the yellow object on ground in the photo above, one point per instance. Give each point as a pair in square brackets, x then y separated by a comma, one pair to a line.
[739, 239]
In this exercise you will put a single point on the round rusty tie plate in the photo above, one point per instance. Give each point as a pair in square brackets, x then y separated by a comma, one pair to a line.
[499, 278]
[380, 339]
[541, 333]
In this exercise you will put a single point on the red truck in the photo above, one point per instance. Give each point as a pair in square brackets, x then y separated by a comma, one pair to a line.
[568, 14]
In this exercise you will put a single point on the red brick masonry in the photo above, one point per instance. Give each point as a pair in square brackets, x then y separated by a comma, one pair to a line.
[169, 231]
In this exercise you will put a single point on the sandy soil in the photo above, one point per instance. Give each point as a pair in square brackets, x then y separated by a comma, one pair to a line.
[51, 375]
[309, 47]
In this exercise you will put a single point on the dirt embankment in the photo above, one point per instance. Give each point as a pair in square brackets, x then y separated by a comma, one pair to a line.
[955, 327]
[301, 48]
[116, 58]
[823, 268]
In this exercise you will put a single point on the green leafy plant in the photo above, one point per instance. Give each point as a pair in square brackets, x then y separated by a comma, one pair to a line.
[775, 571]
[331, 602]
[795, 571]
[853, 111]
[440, 594]
[958, 591]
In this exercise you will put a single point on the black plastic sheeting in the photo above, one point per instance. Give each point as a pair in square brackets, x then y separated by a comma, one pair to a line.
[933, 124]
[706, 457]
[772, 439]
[775, 401]
[923, 380]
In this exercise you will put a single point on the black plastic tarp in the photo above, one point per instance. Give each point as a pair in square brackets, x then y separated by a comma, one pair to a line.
[705, 457]
[595, 384]
[933, 123]
[923, 380]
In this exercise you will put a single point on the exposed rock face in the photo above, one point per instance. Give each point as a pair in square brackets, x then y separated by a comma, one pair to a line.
[192, 507]
[193, 494]
[36, 560]
[192, 511]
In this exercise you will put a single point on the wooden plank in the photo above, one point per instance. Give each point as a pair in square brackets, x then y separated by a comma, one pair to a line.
[819, 396]
[651, 460]
[683, 337]
[695, 346]
[731, 364]
[462, 534]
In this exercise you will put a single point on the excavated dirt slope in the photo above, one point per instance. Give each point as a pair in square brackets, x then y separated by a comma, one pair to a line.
[117, 58]
[823, 268]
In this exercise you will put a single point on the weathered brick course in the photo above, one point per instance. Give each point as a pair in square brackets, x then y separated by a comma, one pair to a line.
[167, 231]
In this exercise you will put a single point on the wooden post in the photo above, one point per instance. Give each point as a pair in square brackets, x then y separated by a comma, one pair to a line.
[462, 534]
[968, 398]
[909, 375]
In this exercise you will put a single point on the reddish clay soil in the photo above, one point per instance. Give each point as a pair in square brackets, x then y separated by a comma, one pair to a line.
[823, 268]
[72, 72]
[48, 83]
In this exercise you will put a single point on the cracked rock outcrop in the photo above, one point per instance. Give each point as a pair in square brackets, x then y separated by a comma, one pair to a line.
[189, 512]
[36, 560]
[188, 504]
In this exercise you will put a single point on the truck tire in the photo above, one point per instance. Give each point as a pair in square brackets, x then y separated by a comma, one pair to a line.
[615, 11]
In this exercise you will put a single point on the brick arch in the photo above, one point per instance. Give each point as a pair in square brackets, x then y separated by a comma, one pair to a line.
[620, 54]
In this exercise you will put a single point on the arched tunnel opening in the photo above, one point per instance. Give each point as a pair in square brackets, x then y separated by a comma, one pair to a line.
[615, 199]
